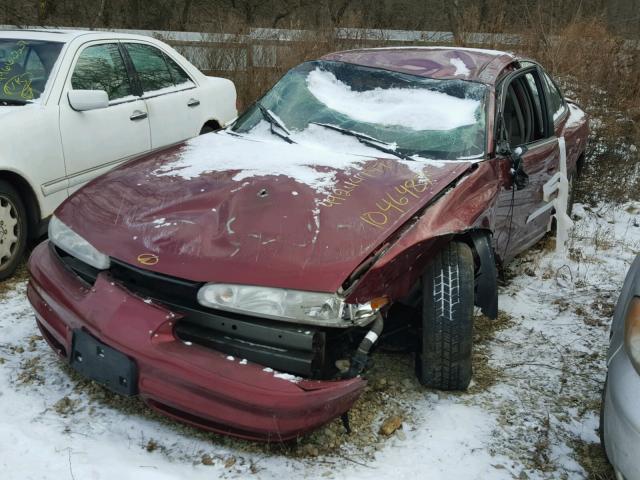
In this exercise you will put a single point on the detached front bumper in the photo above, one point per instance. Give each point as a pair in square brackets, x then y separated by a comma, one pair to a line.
[622, 416]
[190, 383]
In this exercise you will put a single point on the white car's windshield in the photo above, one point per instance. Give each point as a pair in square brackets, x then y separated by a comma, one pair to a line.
[25, 66]
[441, 119]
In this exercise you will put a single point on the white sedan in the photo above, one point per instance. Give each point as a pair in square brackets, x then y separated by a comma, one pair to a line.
[75, 104]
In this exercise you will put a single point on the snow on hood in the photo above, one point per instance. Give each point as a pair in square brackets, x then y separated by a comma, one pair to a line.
[309, 162]
[414, 108]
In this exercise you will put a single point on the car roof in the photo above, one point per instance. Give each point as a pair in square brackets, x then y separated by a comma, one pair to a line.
[474, 64]
[66, 35]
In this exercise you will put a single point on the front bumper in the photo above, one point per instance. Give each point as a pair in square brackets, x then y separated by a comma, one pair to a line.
[622, 416]
[190, 383]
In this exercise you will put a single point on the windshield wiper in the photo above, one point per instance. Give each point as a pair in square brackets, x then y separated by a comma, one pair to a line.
[367, 140]
[275, 122]
[13, 101]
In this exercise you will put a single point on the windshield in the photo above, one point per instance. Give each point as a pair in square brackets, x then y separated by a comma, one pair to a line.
[25, 66]
[438, 119]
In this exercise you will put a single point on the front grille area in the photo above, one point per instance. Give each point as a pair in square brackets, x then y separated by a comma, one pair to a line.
[298, 349]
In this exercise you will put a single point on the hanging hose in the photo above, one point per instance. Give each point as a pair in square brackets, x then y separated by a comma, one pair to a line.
[359, 359]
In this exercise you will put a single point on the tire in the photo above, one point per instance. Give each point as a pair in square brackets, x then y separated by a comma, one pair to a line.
[444, 358]
[13, 230]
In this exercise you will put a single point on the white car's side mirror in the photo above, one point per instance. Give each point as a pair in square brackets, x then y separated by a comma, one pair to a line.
[82, 100]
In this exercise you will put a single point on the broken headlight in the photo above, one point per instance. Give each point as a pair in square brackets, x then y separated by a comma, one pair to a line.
[66, 239]
[290, 305]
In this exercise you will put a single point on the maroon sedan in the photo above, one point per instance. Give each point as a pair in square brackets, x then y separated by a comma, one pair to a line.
[239, 281]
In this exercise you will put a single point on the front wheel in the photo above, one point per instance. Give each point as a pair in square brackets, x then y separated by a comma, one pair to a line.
[444, 358]
[13, 230]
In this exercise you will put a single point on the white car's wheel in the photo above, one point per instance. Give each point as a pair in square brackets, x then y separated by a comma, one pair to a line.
[13, 230]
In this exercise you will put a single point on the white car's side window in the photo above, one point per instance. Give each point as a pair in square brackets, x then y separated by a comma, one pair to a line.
[155, 70]
[101, 67]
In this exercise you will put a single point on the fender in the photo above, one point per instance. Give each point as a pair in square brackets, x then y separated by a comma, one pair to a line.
[467, 206]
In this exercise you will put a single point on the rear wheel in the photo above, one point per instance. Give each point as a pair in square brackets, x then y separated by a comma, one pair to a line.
[13, 229]
[444, 358]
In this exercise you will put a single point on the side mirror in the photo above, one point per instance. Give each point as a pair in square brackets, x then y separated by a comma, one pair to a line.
[83, 100]
[520, 177]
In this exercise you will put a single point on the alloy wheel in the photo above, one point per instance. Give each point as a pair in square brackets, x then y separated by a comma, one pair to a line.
[9, 230]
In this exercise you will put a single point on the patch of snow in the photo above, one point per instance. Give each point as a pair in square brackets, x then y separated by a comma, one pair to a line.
[414, 108]
[461, 68]
[229, 222]
[549, 361]
[287, 376]
[243, 361]
[230, 358]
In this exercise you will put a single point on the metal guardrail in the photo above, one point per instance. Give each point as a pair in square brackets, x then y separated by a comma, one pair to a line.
[260, 47]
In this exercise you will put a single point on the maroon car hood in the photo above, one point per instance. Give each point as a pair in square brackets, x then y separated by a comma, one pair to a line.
[227, 209]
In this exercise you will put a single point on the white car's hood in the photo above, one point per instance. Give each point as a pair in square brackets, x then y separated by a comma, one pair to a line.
[4, 111]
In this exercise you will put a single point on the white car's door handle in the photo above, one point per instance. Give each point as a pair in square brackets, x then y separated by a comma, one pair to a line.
[193, 102]
[138, 115]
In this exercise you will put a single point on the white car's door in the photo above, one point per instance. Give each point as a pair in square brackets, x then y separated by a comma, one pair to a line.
[171, 96]
[95, 141]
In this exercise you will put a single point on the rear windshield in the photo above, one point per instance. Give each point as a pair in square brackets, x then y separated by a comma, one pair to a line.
[25, 66]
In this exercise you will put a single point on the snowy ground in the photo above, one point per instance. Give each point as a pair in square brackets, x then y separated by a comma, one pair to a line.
[532, 411]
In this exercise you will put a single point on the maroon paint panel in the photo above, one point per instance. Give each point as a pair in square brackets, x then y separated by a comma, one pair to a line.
[193, 384]
[433, 62]
[221, 230]
[469, 204]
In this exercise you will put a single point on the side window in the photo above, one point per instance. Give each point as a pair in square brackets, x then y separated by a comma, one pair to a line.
[523, 112]
[151, 67]
[178, 75]
[556, 102]
[101, 67]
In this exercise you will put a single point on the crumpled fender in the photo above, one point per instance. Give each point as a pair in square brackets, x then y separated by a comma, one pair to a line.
[468, 205]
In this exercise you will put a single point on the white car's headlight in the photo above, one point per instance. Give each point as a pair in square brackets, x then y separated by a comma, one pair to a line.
[632, 332]
[289, 305]
[72, 243]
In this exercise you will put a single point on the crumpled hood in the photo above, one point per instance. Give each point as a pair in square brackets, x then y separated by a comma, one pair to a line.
[223, 208]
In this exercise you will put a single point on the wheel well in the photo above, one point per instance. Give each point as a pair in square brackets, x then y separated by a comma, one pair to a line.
[486, 273]
[210, 124]
[28, 196]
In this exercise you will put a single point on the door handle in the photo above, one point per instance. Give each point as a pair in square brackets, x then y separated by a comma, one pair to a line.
[193, 102]
[138, 115]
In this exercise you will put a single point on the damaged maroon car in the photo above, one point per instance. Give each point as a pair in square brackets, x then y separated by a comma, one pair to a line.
[239, 282]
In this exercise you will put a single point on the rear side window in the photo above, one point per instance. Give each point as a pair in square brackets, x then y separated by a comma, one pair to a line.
[151, 67]
[101, 67]
[556, 102]
[155, 69]
[178, 75]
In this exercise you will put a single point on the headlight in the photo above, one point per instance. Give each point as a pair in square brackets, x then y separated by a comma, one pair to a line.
[632, 332]
[289, 305]
[72, 243]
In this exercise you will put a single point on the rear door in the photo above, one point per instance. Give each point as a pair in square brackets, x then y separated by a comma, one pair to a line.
[519, 223]
[170, 94]
[97, 140]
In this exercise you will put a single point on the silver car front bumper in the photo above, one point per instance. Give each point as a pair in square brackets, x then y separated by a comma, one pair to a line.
[622, 417]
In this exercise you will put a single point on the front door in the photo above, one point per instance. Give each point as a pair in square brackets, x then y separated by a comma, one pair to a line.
[95, 141]
[526, 123]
